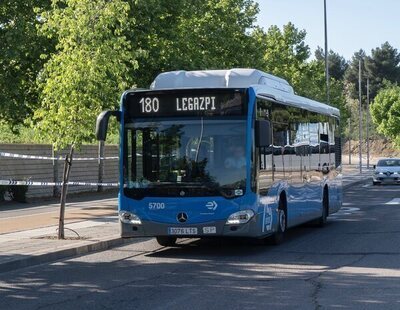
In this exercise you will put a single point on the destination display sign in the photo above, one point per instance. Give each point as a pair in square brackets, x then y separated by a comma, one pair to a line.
[193, 102]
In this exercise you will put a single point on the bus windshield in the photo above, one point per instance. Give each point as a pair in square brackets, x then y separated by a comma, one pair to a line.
[185, 157]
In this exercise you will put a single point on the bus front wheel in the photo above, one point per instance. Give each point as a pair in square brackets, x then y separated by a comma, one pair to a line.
[321, 222]
[278, 236]
[166, 241]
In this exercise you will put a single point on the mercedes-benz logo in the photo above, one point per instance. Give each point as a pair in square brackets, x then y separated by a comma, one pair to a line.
[182, 193]
[182, 217]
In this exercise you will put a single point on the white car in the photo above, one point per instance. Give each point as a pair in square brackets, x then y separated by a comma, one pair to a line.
[387, 171]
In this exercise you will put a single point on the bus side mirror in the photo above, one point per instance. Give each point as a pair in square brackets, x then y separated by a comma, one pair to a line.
[262, 133]
[102, 123]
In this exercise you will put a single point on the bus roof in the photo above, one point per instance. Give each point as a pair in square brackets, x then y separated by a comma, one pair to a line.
[265, 85]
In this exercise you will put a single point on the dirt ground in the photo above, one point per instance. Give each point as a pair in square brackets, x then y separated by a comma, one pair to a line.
[378, 149]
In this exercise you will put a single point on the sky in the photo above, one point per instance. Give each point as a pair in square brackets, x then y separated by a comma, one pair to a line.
[352, 24]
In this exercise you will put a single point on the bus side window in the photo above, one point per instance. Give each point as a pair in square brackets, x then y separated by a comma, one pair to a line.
[264, 160]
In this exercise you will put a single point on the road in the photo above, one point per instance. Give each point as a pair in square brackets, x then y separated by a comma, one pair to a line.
[352, 263]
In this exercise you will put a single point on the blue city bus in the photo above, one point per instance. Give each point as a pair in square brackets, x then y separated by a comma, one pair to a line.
[232, 153]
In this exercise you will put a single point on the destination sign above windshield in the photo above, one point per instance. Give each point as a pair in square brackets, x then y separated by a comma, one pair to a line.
[197, 102]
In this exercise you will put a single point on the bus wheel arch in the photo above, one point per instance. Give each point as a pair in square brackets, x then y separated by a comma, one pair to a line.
[278, 236]
[325, 207]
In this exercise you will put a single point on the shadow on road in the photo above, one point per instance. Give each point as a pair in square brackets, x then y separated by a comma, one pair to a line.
[352, 263]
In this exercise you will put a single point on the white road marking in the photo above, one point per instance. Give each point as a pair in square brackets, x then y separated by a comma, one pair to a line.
[366, 185]
[343, 212]
[395, 201]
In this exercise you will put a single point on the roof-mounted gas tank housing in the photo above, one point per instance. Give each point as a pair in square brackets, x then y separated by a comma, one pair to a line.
[233, 78]
[264, 84]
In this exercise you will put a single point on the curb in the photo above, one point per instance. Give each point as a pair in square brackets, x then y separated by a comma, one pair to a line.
[32, 260]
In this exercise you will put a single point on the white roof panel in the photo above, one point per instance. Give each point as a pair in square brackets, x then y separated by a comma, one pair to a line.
[265, 85]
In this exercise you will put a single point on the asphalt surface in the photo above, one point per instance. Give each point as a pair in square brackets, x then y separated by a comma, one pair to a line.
[352, 263]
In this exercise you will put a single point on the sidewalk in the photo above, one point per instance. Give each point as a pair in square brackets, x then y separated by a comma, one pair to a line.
[37, 246]
[100, 232]
[91, 225]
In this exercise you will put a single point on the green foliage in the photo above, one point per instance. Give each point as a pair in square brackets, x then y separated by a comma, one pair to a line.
[190, 35]
[382, 64]
[20, 134]
[337, 64]
[351, 74]
[287, 55]
[88, 52]
[88, 71]
[20, 60]
[385, 112]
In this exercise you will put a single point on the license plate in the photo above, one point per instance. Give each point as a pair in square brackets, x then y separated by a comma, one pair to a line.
[182, 230]
[210, 230]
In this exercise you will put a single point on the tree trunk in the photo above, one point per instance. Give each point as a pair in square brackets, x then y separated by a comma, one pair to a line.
[64, 190]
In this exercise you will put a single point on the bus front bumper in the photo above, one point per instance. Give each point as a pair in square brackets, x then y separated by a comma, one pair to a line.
[203, 230]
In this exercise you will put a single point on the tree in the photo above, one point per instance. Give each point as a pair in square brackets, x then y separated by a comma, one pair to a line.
[88, 71]
[20, 58]
[315, 87]
[351, 75]
[383, 64]
[287, 55]
[385, 112]
[190, 35]
[337, 64]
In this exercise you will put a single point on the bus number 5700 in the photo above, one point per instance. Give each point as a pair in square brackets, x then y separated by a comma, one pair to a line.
[156, 206]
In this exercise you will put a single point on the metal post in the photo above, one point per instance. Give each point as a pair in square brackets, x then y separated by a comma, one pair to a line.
[367, 121]
[101, 165]
[326, 54]
[349, 140]
[359, 117]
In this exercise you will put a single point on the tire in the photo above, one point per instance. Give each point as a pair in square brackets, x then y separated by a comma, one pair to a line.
[279, 236]
[166, 241]
[321, 222]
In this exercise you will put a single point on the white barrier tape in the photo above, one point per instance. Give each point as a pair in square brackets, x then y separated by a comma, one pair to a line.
[12, 155]
[33, 183]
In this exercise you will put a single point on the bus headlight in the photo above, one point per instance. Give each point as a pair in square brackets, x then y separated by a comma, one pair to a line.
[129, 218]
[241, 217]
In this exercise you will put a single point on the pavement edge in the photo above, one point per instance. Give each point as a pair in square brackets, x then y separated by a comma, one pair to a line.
[32, 260]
